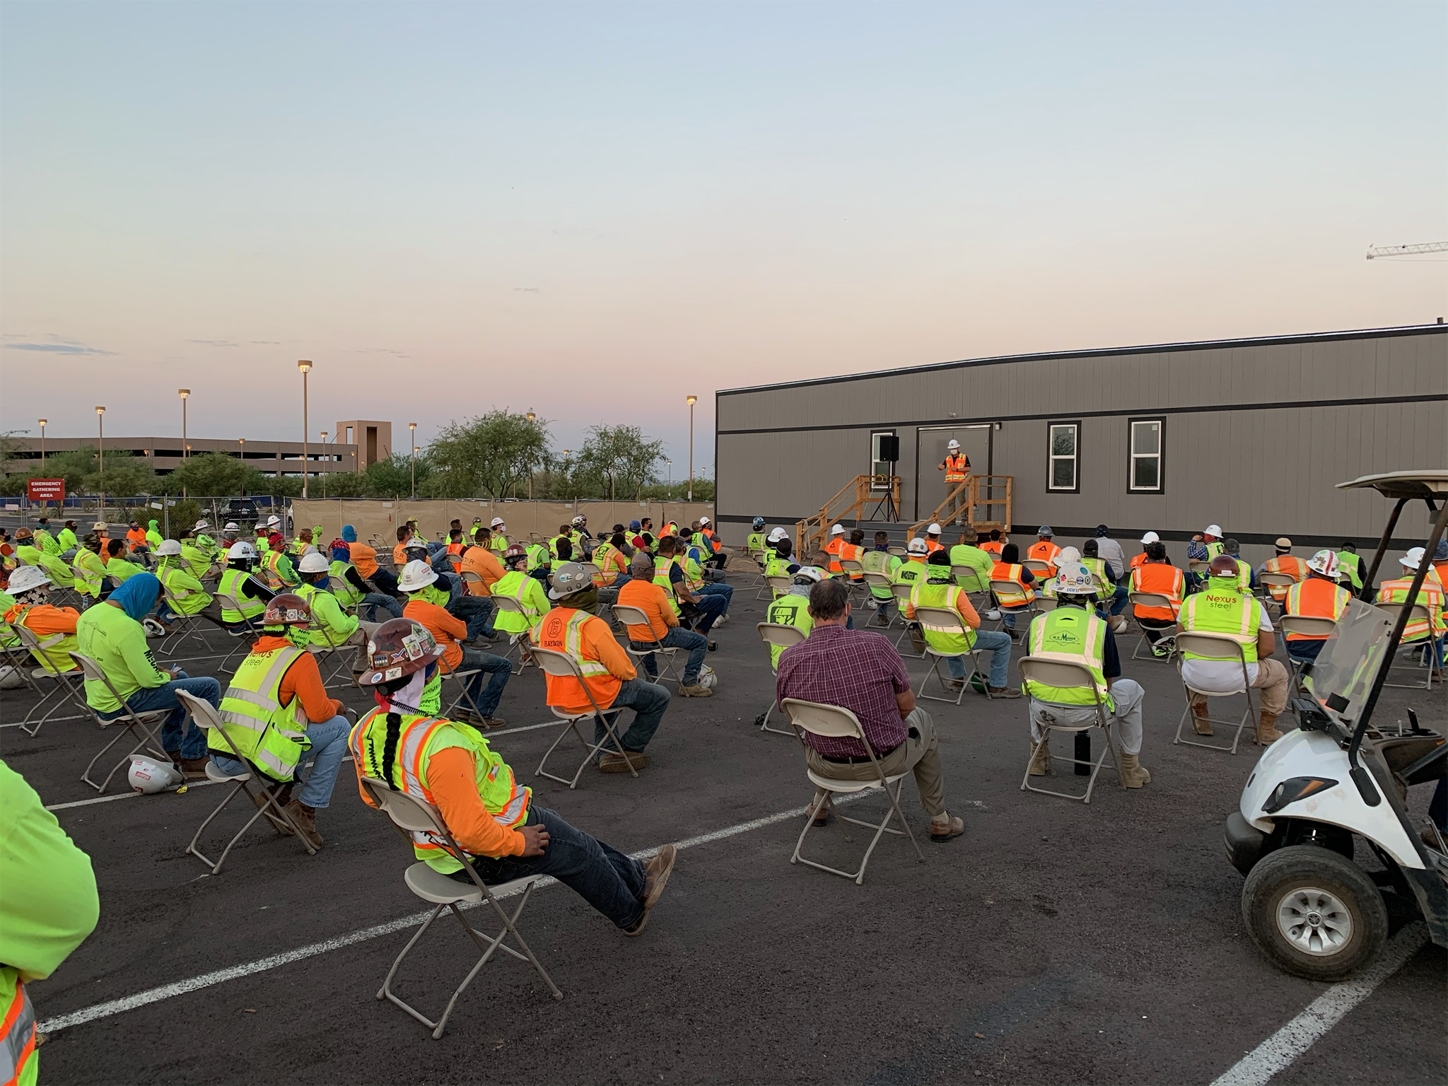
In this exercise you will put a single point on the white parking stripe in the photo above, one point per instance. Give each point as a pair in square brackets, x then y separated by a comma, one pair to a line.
[1324, 1012]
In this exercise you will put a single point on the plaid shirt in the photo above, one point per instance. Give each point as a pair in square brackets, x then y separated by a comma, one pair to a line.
[856, 670]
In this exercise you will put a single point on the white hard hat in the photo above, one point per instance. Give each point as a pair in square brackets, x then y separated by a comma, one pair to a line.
[1213, 529]
[1413, 559]
[497, 523]
[1324, 562]
[98, 526]
[1068, 554]
[273, 519]
[703, 520]
[779, 535]
[1151, 537]
[932, 529]
[952, 444]
[27, 578]
[416, 575]
[568, 579]
[577, 521]
[916, 546]
[241, 549]
[169, 548]
[837, 529]
[1074, 579]
[201, 524]
[809, 574]
[149, 776]
[313, 562]
[231, 526]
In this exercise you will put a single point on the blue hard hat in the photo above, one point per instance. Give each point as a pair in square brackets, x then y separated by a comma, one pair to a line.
[634, 526]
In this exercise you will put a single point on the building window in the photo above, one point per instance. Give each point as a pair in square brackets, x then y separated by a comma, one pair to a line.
[880, 467]
[1063, 458]
[1146, 473]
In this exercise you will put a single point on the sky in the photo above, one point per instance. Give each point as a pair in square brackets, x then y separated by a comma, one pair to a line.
[595, 210]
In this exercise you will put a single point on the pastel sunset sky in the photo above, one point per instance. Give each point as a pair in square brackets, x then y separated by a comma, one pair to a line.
[593, 210]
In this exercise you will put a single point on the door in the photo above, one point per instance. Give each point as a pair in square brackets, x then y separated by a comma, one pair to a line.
[975, 442]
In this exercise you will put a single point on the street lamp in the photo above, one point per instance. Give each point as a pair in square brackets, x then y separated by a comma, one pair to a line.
[412, 440]
[101, 453]
[305, 366]
[670, 465]
[185, 394]
[241, 457]
[691, 401]
[42, 440]
[322, 474]
[532, 419]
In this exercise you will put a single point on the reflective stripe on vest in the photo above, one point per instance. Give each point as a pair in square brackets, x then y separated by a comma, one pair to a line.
[1002, 572]
[17, 1035]
[1315, 597]
[661, 578]
[230, 586]
[1160, 579]
[1429, 597]
[955, 468]
[946, 597]
[273, 737]
[1070, 635]
[1347, 562]
[1221, 610]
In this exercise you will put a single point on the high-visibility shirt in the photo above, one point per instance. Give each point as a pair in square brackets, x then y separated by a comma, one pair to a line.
[117, 643]
[498, 543]
[775, 566]
[348, 595]
[1315, 597]
[1221, 609]
[948, 597]
[49, 906]
[45, 621]
[590, 644]
[136, 537]
[485, 564]
[529, 592]
[1350, 564]
[269, 734]
[421, 751]
[611, 564]
[1162, 579]
[121, 571]
[1012, 572]
[881, 562]
[1244, 575]
[966, 556]
[911, 570]
[957, 467]
[364, 558]
[46, 542]
[1288, 564]
[654, 602]
[1073, 635]
[276, 570]
[754, 544]
[1430, 596]
[54, 566]
[833, 548]
[789, 610]
[153, 537]
[1044, 550]
[66, 539]
[197, 559]
[454, 556]
[231, 585]
[188, 596]
[329, 621]
[446, 630]
[399, 555]
[1098, 569]
[538, 555]
[90, 573]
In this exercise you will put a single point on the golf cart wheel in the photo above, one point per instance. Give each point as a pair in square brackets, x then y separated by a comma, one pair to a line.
[1315, 913]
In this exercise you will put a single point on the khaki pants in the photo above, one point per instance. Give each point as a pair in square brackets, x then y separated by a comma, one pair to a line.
[919, 753]
[1272, 680]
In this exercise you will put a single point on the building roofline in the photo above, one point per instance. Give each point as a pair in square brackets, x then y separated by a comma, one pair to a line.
[1099, 352]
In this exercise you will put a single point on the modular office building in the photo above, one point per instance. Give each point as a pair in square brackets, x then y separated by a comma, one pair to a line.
[1251, 434]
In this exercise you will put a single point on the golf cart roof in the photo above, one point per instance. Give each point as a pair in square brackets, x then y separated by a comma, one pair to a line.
[1424, 483]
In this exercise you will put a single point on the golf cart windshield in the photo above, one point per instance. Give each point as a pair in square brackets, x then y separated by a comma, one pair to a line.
[1342, 676]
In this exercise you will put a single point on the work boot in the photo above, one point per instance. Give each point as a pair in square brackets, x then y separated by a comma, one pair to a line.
[943, 831]
[1041, 759]
[1004, 691]
[1200, 724]
[1266, 732]
[306, 823]
[1133, 773]
[698, 690]
[194, 769]
[278, 824]
[615, 763]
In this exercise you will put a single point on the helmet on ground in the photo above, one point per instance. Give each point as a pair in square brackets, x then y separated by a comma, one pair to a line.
[952, 444]
[778, 535]
[1068, 554]
[1074, 579]
[154, 627]
[396, 649]
[1324, 562]
[287, 609]
[1151, 537]
[169, 548]
[313, 562]
[1213, 529]
[239, 550]
[569, 579]
[416, 576]
[808, 575]
[497, 522]
[1414, 558]
[149, 776]
[837, 529]
[1224, 565]
[707, 678]
[932, 529]
[202, 525]
[1044, 531]
[916, 546]
[514, 553]
[27, 579]
[758, 523]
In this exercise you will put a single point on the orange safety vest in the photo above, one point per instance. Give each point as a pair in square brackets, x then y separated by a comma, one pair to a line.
[993, 547]
[1163, 579]
[957, 467]
[933, 545]
[561, 629]
[834, 548]
[136, 537]
[1002, 572]
[1044, 551]
[1139, 561]
[1290, 564]
[854, 553]
[1315, 597]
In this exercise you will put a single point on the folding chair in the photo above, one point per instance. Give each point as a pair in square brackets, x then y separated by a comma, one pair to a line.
[1151, 599]
[180, 629]
[1314, 626]
[902, 597]
[967, 579]
[340, 590]
[880, 580]
[261, 790]
[1040, 570]
[340, 661]
[1044, 603]
[1062, 673]
[64, 690]
[758, 558]
[632, 616]
[783, 635]
[1268, 581]
[415, 818]
[144, 727]
[561, 665]
[1219, 647]
[833, 721]
[944, 621]
[1426, 645]
[244, 634]
[778, 586]
[462, 678]
[517, 641]
[1009, 599]
[853, 573]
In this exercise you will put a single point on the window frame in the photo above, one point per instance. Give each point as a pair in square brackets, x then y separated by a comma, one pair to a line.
[1132, 455]
[1052, 457]
[874, 486]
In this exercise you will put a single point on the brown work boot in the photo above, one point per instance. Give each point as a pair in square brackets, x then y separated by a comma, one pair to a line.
[698, 690]
[305, 822]
[1266, 732]
[615, 763]
[1041, 759]
[1200, 724]
[1004, 692]
[194, 769]
[944, 831]
[1133, 773]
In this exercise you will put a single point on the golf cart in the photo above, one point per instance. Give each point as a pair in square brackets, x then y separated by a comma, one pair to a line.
[1338, 778]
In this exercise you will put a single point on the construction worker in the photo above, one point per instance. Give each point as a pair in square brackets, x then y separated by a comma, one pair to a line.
[49, 907]
[30, 588]
[66, 540]
[612, 563]
[153, 535]
[966, 555]
[1431, 629]
[274, 539]
[277, 713]
[1440, 562]
[1246, 579]
[610, 678]
[913, 568]
[1221, 607]
[485, 809]
[932, 538]
[56, 568]
[994, 543]
[956, 466]
[399, 551]
[44, 540]
[657, 606]
[195, 557]
[835, 546]
[498, 540]
[90, 569]
[701, 611]
[936, 589]
[238, 584]
[364, 557]
[878, 559]
[693, 560]
[352, 592]
[481, 560]
[1317, 595]
[754, 542]
[1110, 552]
[1159, 577]
[230, 533]
[792, 608]
[1046, 586]
[111, 634]
[1074, 632]
[1350, 568]
[1106, 575]
[136, 541]
[118, 568]
[1283, 561]
[854, 551]
[1200, 552]
[201, 532]
[1146, 542]
[1044, 550]
[529, 592]
[276, 570]
[184, 593]
[426, 605]
[1009, 568]
[330, 625]
[719, 559]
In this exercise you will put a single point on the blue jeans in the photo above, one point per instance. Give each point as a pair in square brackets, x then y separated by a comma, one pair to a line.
[1009, 616]
[648, 701]
[191, 743]
[708, 609]
[717, 588]
[369, 604]
[319, 766]
[385, 581]
[477, 612]
[1118, 600]
[998, 644]
[1304, 648]
[496, 669]
[600, 874]
[696, 644]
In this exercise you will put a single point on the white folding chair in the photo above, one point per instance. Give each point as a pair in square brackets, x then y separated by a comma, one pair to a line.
[261, 790]
[1425, 646]
[632, 616]
[1040, 570]
[1061, 673]
[561, 665]
[833, 721]
[902, 597]
[415, 818]
[1009, 599]
[180, 629]
[143, 727]
[778, 586]
[1151, 599]
[517, 641]
[67, 683]
[853, 573]
[1312, 626]
[1267, 581]
[941, 620]
[1217, 647]
[244, 634]
[874, 581]
[968, 580]
[783, 635]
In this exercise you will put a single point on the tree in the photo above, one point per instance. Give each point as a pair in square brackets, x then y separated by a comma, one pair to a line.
[344, 484]
[123, 475]
[73, 465]
[491, 455]
[278, 486]
[618, 459]
[392, 478]
[211, 474]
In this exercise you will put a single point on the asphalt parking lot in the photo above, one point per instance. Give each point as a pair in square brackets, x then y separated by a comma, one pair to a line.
[1052, 943]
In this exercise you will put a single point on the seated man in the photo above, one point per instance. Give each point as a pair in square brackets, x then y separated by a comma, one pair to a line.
[702, 612]
[1429, 631]
[111, 634]
[1044, 549]
[1157, 576]
[364, 557]
[611, 558]
[1009, 568]
[528, 591]
[614, 684]
[277, 713]
[136, 541]
[488, 813]
[966, 555]
[693, 561]
[937, 590]
[197, 559]
[1246, 578]
[1074, 633]
[1283, 561]
[90, 570]
[327, 624]
[860, 670]
[1318, 595]
[480, 559]
[237, 582]
[1221, 607]
[1146, 541]
[187, 596]
[719, 559]
[654, 602]
[30, 587]
[346, 583]
[932, 538]
[1106, 575]
[994, 543]
[878, 559]
[153, 535]
[425, 605]
[779, 558]
[754, 542]
[118, 568]
[792, 609]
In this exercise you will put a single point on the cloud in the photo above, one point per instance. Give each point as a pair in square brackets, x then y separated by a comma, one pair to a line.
[215, 342]
[383, 350]
[56, 348]
[528, 290]
[267, 342]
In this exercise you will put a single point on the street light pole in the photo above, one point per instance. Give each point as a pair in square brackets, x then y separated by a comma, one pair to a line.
[101, 454]
[532, 419]
[691, 401]
[305, 366]
[412, 440]
[185, 394]
[322, 474]
[42, 441]
[241, 457]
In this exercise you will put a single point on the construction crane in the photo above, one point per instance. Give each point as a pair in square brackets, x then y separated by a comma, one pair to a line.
[1375, 251]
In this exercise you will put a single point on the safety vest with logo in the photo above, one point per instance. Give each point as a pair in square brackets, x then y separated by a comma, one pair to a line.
[342, 588]
[1044, 551]
[911, 570]
[1214, 548]
[1161, 579]
[790, 610]
[1288, 564]
[1347, 562]
[833, 548]
[419, 738]
[561, 629]
[187, 595]
[231, 582]
[18, 1064]
[1316, 597]
[1070, 635]
[90, 573]
[512, 585]
[881, 562]
[956, 467]
[754, 544]
[1023, 594]
[661, 578]
[610, 562]
[1097, 568]
[276, 570]
[693, 570]
[270, 736]
[1430, 596]
[1220, 609]
[993, 546]
[941, 637]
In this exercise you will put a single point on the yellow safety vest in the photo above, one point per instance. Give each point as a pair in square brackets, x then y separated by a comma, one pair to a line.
[944, 595]
[270, 736]
[231, 581]
[1221, 610]
[1070, 635]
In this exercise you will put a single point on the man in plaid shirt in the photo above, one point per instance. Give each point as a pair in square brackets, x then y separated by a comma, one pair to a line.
[860, 671]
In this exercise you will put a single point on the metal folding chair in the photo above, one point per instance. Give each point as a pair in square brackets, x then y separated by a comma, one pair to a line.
[968, 580]
[880, 580]
[944, 621]
[1009, 599]
[1313, 626]
[260, 789]
[1062, 673]
[462, 678]
[1427, 645]
[778, 586]
[65, 688]
[902, 597]
[413, 818]
[783, 635]
[853, 573]
[836, 722]
[244, 634]
[1151, 599]
[632, 616]
[1219, 647]
[561, 665]
[143, 727]
[517, 641]
[180, 629]
[1040, 570]
[1267, 581]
